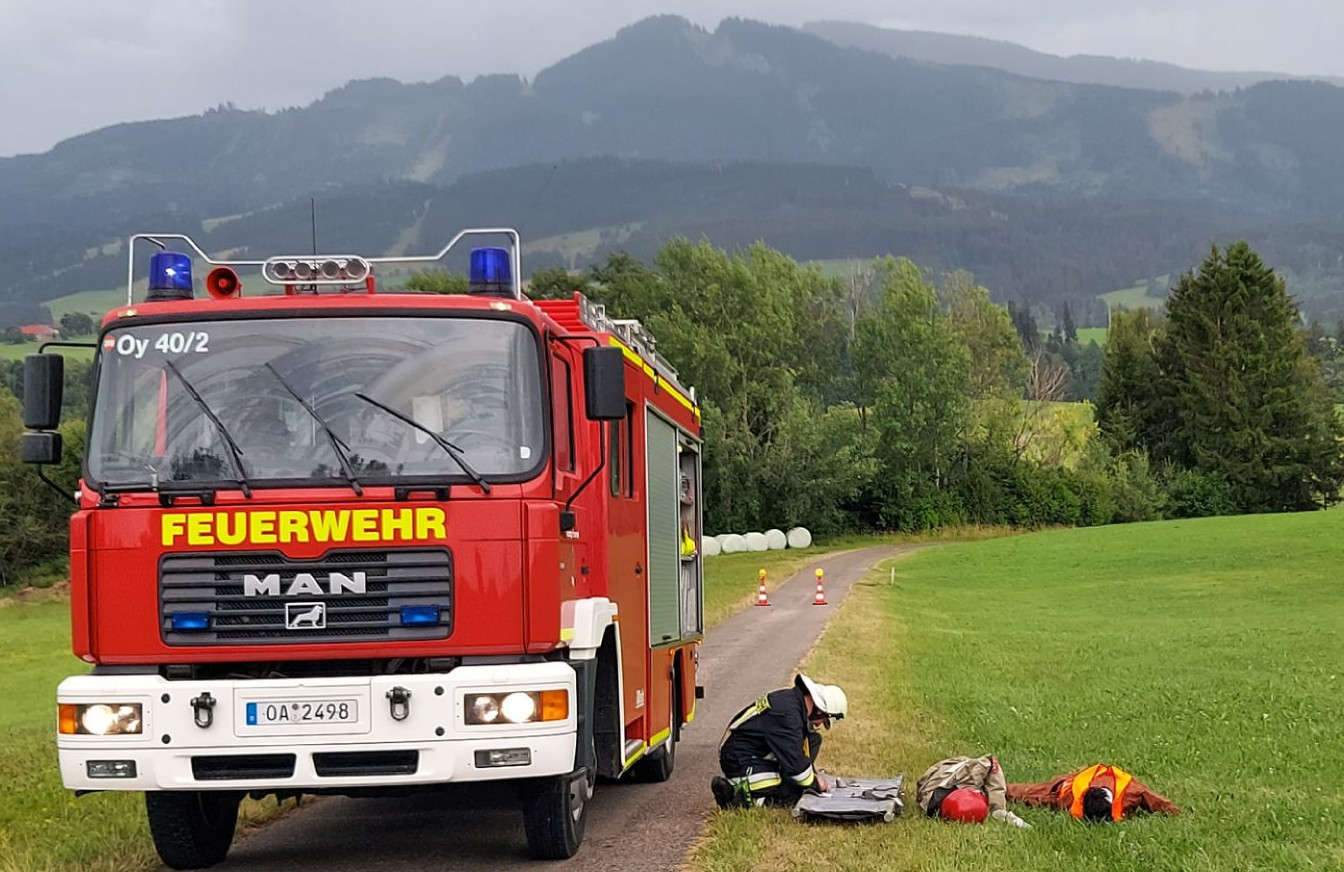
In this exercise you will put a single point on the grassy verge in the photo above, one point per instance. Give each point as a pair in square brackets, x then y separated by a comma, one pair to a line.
[1204, 656]
[731, 580]
[43, 826]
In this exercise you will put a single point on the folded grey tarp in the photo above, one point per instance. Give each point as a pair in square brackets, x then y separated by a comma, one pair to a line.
[854, 799]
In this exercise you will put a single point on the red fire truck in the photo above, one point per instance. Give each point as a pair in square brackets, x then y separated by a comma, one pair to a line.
[336, 541]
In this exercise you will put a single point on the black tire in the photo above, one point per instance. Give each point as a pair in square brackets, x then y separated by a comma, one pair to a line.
[192, 829]
[555, 812]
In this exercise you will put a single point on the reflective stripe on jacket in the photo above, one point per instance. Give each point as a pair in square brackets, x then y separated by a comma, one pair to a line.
[774, 727]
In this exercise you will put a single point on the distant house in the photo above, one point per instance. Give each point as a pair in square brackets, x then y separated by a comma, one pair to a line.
[40, 332]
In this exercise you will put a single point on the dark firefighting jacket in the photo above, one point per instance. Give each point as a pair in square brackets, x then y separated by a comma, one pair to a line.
[773, 730]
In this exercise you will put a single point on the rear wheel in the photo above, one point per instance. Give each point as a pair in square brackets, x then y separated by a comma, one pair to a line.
[555, 811]
[192, 829]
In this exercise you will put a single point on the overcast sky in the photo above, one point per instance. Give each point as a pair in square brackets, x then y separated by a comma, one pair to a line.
[70, 66]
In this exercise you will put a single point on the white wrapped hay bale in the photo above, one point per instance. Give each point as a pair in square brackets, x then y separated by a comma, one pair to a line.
[709, 546]
[757, 542]
[732, 544]
[799, 537]
[775, 540]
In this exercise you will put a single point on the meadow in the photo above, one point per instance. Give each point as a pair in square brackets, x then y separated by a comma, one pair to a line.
[1204, 656]
[1136, 296]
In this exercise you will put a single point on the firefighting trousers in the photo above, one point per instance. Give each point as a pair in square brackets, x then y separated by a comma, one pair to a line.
[761, 782]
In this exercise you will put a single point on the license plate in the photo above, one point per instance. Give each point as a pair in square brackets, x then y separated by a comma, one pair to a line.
[280, 712]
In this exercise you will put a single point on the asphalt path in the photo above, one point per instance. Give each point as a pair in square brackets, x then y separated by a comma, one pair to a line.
[631, 827]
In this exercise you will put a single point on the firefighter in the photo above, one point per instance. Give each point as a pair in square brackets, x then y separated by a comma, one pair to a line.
[966, 790]
[1097, 793]
[769, 751]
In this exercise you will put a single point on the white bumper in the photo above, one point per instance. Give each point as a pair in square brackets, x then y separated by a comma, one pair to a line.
[432, 744]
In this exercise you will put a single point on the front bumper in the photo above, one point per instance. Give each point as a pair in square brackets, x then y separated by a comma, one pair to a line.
[432, 744]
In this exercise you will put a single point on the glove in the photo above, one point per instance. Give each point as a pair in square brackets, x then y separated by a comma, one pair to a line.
[1008, 817]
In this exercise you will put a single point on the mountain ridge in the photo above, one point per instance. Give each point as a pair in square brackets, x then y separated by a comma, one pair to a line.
[664, 89]
[961, 49]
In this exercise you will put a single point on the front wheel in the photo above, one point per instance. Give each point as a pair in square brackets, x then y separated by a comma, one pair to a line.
[555, 811]
[192, 829]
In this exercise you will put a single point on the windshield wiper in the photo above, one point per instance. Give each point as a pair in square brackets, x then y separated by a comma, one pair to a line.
[449, 448]
[337, 446]
[235, 453]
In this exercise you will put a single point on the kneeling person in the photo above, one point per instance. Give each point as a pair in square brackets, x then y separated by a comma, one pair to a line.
[769, 751]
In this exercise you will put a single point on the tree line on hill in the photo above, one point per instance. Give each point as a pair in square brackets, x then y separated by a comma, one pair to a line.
[911, 402]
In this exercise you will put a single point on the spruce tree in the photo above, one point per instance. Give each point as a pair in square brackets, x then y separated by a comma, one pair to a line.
[1246, 402]
[1126, 395]
[1070, 328]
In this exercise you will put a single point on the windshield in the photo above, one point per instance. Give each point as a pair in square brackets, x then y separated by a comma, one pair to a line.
[171, 397]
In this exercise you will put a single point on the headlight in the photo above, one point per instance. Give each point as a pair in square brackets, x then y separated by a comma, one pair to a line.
[100, 719]
[484, 710]
[517, 707]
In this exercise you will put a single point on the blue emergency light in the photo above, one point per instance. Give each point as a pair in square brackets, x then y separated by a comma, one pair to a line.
[169, 276]
[419, 616]
[187, 621]
[491, 272]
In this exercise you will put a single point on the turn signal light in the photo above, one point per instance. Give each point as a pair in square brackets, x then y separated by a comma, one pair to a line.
[554, 705]
[67, 720]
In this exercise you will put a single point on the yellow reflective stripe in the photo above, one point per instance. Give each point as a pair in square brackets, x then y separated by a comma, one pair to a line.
[567, 634]
[635, 756]
[652, 373]
[658, 737]
[805, 778]
[690, 717]
[758, 780]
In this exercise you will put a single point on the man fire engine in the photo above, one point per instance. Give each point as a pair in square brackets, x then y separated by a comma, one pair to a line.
[333, 541]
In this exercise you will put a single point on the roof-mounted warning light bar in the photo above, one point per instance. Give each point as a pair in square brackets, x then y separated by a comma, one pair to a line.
[494, 271]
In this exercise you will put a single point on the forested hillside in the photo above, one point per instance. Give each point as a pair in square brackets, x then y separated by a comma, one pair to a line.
[1110, 186]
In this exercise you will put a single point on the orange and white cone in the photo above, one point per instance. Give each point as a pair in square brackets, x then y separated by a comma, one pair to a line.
[820, 598]
[761, 598]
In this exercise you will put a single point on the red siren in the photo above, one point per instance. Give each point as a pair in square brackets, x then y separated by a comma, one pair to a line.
[222, 283]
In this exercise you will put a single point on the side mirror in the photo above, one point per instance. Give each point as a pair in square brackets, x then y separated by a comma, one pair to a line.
[604, 383]
[43, 384]
[42, 448]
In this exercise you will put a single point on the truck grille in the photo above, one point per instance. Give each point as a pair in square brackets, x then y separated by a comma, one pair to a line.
[264, 598]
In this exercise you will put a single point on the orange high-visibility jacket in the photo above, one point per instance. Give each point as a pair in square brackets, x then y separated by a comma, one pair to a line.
[1065, 792]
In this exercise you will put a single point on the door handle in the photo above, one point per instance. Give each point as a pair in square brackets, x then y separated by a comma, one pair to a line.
[639, 570]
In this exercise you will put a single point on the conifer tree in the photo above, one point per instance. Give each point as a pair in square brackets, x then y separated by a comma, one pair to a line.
[1248, 404]
[1127, 394]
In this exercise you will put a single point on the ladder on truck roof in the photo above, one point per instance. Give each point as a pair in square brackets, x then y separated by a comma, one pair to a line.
[581, 312]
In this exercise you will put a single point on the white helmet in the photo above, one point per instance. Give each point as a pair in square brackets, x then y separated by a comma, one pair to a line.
[827, 698]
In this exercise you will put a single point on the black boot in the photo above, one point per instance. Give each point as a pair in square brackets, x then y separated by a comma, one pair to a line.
[726, 794]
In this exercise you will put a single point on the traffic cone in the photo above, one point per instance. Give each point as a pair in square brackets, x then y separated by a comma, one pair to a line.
[820, 598]
[761, 598]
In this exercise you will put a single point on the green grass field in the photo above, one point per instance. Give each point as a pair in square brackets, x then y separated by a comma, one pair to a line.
[1092, 334]
[1207, 657]
[93, 303]
[1136, 296]
[21, 350]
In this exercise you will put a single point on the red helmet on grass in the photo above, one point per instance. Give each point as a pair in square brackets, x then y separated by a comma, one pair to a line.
[965, 806]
